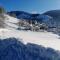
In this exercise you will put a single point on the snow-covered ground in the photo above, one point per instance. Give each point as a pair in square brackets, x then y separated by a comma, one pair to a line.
[10, 22]
[47, 39]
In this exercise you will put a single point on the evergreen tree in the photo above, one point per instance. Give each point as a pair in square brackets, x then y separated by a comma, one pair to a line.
[2, 10]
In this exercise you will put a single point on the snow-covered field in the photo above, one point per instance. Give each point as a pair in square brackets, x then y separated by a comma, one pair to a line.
[47, 39]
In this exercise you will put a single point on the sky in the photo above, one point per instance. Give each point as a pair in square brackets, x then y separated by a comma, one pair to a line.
[31, 6]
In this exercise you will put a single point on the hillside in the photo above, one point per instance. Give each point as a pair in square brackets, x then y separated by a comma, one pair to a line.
[50, 19]
[47, 39]
[7, 21]
[53, 13]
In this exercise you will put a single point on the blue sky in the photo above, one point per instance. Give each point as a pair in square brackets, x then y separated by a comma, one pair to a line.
[34, 6]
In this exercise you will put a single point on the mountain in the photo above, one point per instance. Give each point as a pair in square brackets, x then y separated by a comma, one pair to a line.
[49, 18]
[20, 14]
[53, 13]
[28, 16]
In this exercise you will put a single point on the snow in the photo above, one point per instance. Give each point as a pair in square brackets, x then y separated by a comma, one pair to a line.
[11, 19]
[47, 39]
[11, 22]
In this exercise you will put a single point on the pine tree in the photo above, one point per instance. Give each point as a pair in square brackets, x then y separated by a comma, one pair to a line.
[2, 10]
